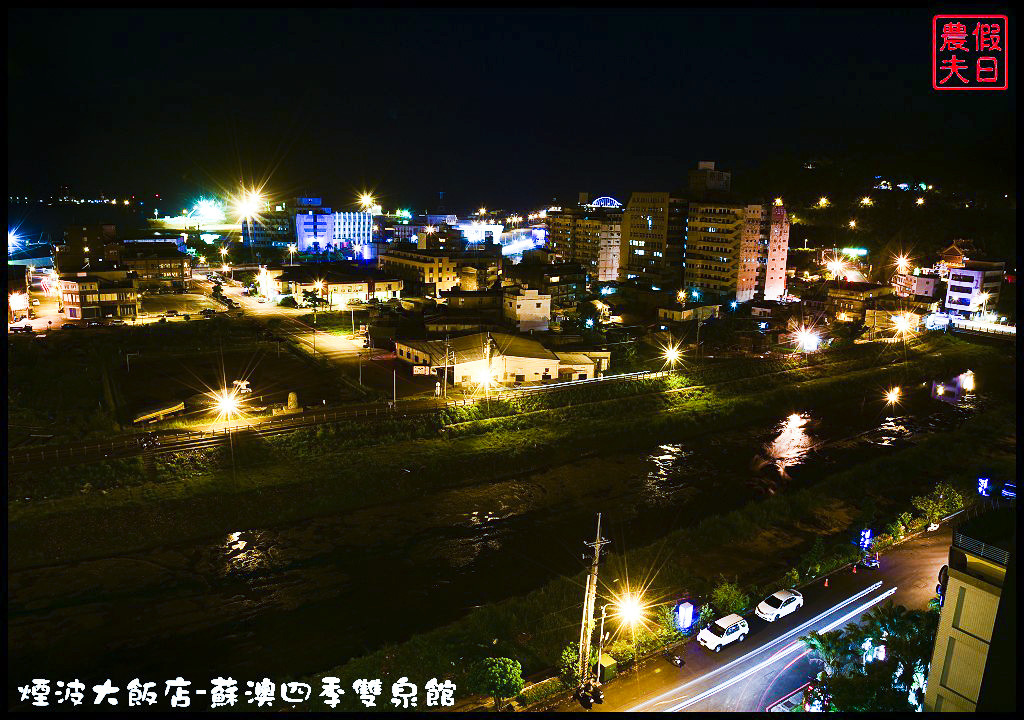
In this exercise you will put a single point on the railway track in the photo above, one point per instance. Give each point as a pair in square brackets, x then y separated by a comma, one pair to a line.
[40, 457]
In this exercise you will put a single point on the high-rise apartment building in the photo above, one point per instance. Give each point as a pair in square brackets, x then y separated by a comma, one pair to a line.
[654, 227]
[764, 248]
[706, 240]
[589, 234]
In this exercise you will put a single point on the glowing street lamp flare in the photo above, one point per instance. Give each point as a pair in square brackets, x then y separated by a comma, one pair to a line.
[629, 609]
[866, 201]
[366, 200]
[823, 201]
[807, 340]
[892, 396]
[902, 263]
[227, 404]
[904, 323]
[853, 223]
[672, 354]
[967, 381]
[920, 201]
[430, 229]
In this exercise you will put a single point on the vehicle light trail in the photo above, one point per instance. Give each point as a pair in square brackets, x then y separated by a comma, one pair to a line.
[648, 704]
[760, 703]
[792, 647]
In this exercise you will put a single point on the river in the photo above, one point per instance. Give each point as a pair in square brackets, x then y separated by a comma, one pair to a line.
[300, 598]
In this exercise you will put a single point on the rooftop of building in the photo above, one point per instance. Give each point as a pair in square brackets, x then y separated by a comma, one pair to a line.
[996, 527]
[152, 251]
[981, 265]
[850, 286]
[330, 273]
[469, 348]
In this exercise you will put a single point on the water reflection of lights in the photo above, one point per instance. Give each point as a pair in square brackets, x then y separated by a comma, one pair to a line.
[792, 443]
[662, 483]
[244, 555]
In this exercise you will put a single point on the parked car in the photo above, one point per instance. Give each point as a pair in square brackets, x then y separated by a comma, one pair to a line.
[171, 313]
[723, 631]
[35, 302]
[94, 323]
[22, 328]
[779, 605]
[69, 326]
[261, 300]
[116, 321]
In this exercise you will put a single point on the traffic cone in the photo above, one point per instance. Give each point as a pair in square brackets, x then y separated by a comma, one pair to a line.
[854, 569]
[826, 582]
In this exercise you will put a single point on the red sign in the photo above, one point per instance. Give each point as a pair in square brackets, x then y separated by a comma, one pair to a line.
[969, 52]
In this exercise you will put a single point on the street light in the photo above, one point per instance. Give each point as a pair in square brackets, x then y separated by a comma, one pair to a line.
[904, 323]
[920, 201]
[866, 201]
[902, 264]
[672, 355]
[807, 340]
[823, 202]
[984, 302]
[291, 253]
[366, 201]
[892, 396]
[853, 224]
[226, 403]
[630, 609]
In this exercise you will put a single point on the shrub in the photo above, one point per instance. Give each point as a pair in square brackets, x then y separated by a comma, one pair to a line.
[791, 578]
[541, 691]
[728, 597]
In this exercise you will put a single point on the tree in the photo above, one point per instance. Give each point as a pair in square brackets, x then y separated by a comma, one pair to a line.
[311, 297]
[728, 597]
[846, 332]
[833, 649]
[867, 690]
[943, 499]
[498, 677]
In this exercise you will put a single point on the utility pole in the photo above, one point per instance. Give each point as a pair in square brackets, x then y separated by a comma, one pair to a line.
[587, 625]
[394, 388]
[487, 380]
[445, 369]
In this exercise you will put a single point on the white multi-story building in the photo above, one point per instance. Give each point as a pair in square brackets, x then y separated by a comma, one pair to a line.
[527, 308]
[340, 228]
[974, 288]
[909, 285]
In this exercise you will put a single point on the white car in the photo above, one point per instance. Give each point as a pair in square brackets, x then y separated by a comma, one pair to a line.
[723, 631]
[779, 605]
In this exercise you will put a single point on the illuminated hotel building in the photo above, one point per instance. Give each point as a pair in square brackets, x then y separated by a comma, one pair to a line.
[340, 228]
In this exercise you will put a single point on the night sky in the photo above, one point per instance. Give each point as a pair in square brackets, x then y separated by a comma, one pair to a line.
[495, 108]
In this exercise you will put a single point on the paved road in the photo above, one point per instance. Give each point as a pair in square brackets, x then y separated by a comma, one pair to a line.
[771, 662]
[379, 369]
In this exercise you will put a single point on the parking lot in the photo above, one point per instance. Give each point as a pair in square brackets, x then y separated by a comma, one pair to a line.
[187, 304]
